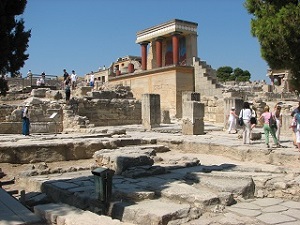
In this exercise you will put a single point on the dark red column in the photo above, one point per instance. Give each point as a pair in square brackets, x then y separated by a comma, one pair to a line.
[144, 55]
[175, 45]
[158, 44]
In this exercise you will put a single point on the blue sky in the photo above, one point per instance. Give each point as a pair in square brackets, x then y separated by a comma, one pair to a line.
[86, 34]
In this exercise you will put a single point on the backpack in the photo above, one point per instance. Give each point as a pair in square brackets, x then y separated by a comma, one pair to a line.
[272, 122]
[240, 120]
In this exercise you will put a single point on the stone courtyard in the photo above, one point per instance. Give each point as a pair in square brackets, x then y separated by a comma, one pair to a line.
[194, 179]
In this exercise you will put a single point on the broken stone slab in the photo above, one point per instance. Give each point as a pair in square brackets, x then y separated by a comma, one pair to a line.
[155, 212]
[178, 163]
[185, 193]
[123, 158]
[39, 92]
[239, 185]
[62, 214]
[36, 198]
[131, 192]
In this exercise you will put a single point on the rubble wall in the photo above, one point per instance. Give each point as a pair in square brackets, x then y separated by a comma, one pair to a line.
[39, 115]
[106, 112]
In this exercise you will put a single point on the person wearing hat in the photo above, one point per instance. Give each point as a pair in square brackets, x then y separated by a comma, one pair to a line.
[232, 120]
[25, 119]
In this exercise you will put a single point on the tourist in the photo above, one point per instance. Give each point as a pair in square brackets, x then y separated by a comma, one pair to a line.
[73, 79]
[232, 120]
[25, 119]
[268, 129]
[42, 79]
[246, 114]
[92, 80]
[29, 74]
[67, 89]
[297, 129]
[294, 124]
[66, 74]
[278, 117]
[38, 82]
[253, 119]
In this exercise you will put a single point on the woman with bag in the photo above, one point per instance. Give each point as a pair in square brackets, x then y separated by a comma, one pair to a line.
[267, 118]
[297, 130]
[246, 114]
[278, 117]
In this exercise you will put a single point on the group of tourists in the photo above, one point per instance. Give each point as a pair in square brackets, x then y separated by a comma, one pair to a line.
[271, 120]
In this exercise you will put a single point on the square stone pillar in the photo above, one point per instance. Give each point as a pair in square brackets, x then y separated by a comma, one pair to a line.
[151, 114]
[232, 102]
[192, 118]
[190, 96]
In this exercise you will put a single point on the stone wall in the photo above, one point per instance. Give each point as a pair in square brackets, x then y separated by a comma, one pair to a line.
[111, 112]
[168, 82]
[11, 122]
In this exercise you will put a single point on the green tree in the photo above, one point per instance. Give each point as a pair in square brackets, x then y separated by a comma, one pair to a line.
[226, 73]
[241, 75]
[13, 38]
[276, 25]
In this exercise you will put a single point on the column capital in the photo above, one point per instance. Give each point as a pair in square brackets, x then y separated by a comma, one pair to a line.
[159, 38]
[176, 33]
[144, 43]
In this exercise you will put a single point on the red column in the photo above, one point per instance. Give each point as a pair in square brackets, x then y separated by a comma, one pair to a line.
[158, 43]
[175, 44]
[144, 55]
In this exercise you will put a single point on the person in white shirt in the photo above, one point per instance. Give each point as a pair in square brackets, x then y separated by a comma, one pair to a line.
[232, 120]
[92, 80]
[73, 79]
[29, 74]
[246, 114]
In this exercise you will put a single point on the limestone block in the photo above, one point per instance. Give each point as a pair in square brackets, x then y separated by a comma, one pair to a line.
[11, 128]
[192, 110]
[40, 92]
[151, 114]
[53, 94]
[82, 91]
[165, 118]
[103, 95]
[121, 159]
[192, 128]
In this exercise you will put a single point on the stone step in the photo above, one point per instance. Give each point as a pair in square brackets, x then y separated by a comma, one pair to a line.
[155, 212]
[52, 150]
[62, 214]
[239, 185]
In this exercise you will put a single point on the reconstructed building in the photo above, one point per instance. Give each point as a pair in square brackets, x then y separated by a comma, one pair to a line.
[169, 65]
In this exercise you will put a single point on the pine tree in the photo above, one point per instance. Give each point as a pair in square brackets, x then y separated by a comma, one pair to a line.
[13, 38]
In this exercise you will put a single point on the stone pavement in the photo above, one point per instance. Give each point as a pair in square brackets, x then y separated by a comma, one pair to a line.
[264, 182]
